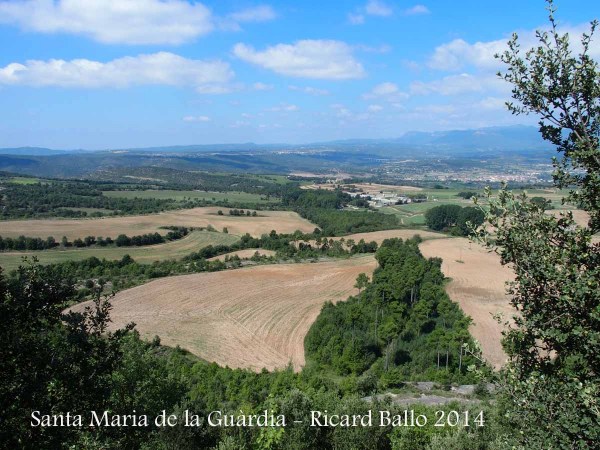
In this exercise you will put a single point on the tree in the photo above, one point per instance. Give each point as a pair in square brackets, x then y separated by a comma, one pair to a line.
[442, 217]
[51, 360]
[552, 381]
[469, 217]
[541, 202]
[362, 280]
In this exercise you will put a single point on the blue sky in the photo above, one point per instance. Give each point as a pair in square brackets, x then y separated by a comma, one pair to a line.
[102, 74]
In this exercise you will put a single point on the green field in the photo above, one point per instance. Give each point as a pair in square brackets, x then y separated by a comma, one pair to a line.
[413, 214]
[233, 197]
[24, 180]
[148, 254]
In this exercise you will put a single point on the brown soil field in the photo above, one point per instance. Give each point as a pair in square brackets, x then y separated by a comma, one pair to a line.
[246, 253]
[478, 285]
[281, 221]
[380, 236]
[580, 217]
[251, 318]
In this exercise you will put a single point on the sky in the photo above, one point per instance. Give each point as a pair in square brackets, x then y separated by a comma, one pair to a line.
[101, 74]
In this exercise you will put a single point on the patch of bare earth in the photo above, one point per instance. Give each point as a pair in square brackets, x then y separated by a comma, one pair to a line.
[251, 318]
[580, 217]
[280, 221]
[478, 285]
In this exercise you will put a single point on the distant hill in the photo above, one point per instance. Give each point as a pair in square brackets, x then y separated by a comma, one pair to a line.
[33, 151]
[354, 154]
[511, 138]
[505, 138]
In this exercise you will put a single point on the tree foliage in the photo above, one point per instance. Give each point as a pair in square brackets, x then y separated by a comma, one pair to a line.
[401, 326]
[454, 218]
[552, 382]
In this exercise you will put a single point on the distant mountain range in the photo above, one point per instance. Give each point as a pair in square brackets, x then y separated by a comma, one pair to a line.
[509, 144]
[513, 138]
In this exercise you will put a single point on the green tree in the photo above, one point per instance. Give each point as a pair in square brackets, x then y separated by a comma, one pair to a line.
[362, 280]
[541, 202]
[51, 361]
[552, 381]
[469, 217]
[442, 217]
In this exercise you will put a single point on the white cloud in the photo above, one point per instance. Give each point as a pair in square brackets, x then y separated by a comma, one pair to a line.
[374, 108]
[113, 21]
[324, 59]
[196, 119]
[262, 86]
[261, 13]
[284, 107]
[340, 110]
[356, 19]
[309, 90]
[416, 10]
[460, 84]
[492, 103]
[384, 89]
[163, 68]
[377, 8]
[458, 53]
[387, 92]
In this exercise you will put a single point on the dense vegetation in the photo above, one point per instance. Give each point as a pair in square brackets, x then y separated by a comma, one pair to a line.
[60, 198]
[468, 194]
[401, 326]
[55, 199]
[323, 207]
[31, 243]
[454, 218]
[551, 385]
[126, 272]
[55, 361]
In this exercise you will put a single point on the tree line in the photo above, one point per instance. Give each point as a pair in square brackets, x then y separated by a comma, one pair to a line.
[35, 243]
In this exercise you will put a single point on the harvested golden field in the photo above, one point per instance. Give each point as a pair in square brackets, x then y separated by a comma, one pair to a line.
[380, 236]
[478, 286]
[251, 318]
[146, 254]
[580, 217]
[281, 221]
[246, 253]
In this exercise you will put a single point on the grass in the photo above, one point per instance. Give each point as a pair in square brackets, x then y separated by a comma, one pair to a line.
[234, 197]
[413, 214]
[405, 217]
[24, 180]
[147, 254]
